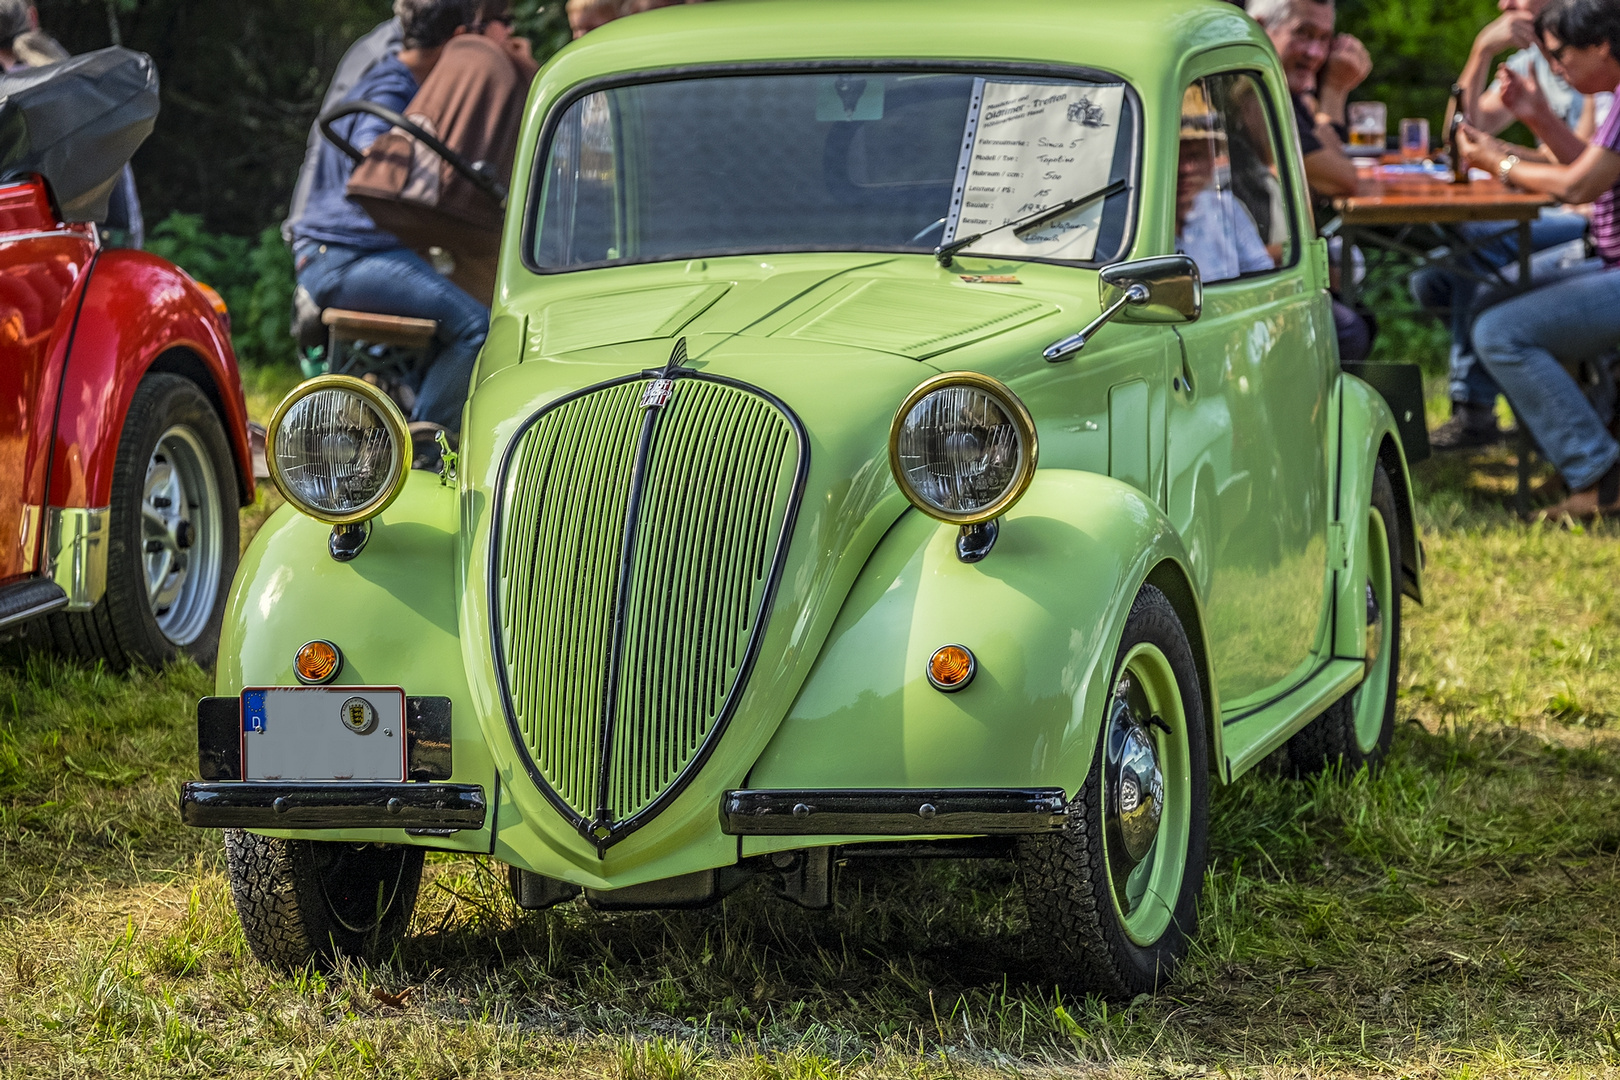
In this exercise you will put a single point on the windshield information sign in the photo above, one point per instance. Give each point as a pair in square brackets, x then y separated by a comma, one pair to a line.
[1028, 146]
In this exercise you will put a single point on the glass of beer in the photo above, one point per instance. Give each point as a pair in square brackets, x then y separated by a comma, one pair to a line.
[1369, 124]
[1415, 138]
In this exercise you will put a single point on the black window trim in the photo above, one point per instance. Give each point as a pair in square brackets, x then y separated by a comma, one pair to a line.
[1076, 73]
[1279, 144]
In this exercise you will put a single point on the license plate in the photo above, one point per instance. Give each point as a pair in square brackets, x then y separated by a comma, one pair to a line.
[323, 733]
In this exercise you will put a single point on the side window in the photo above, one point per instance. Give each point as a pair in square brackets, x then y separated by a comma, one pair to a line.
[1232, 211]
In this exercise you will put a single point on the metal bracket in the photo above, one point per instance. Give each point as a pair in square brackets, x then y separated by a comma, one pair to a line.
[1338, 538]
[76, 553]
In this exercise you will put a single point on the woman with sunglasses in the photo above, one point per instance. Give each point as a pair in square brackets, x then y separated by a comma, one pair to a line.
[1531, 342]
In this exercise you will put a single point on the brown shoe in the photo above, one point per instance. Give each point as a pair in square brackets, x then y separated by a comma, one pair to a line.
[1602, 499]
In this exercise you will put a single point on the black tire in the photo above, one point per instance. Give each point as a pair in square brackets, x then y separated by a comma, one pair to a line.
[131, 625]
[1332, 740]
[1069, 887]
[307, 902]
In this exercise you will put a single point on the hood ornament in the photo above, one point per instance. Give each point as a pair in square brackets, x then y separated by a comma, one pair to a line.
[656, 396]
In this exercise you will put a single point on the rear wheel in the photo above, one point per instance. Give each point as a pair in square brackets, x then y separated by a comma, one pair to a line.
[172, 536]
[1113, 898]
[311, 901]
[1357, 729]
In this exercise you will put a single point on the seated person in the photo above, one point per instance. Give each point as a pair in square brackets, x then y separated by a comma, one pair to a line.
[1322, 69]
[1530, 341]
[1212, 226]
[1527, 88]
[343, 260]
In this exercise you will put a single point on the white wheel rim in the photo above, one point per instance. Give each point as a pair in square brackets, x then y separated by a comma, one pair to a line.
[181, 535]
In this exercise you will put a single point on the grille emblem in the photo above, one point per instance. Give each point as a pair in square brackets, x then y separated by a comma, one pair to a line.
[656, 396]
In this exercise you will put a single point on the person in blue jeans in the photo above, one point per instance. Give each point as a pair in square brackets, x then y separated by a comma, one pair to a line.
[1457, 300]
[344, 260]
[1526, 88]
[1532, 341]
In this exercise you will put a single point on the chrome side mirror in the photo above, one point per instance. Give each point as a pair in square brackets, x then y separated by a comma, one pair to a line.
[1164, 289]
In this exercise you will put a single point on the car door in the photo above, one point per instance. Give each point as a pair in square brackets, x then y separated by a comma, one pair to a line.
[1248, 426]
[39, 264]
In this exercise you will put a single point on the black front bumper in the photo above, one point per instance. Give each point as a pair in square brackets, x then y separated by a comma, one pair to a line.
[324, 805]
[893, 812]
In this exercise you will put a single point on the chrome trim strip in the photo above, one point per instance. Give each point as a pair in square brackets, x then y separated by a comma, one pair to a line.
[27, 599]
[76, 553]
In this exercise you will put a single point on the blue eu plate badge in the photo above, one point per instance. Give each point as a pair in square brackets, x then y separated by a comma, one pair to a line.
[253, 711]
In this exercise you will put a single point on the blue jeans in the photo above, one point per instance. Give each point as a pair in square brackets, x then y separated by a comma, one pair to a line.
[1453, 296]
[400, 282]
[1530, 342]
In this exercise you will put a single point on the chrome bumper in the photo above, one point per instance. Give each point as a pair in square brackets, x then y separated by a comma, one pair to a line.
[893, 812]
[254, 804]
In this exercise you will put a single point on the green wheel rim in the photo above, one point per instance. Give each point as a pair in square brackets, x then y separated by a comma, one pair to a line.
[1146, 699]
[1371, 697]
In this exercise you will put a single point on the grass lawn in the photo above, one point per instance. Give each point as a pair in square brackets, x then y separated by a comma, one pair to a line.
[1454, 915]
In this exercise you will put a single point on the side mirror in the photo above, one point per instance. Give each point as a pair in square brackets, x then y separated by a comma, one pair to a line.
[1164, 289]
[1175, 291]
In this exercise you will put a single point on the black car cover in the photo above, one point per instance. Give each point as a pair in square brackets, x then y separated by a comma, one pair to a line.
[77, 123]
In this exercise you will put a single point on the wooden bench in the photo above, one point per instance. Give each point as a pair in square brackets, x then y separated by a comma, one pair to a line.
[377, 329]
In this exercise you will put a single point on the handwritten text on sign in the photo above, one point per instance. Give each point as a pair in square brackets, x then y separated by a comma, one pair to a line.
[1031, 146]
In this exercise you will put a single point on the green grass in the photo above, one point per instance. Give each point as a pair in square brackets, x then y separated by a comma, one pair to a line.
[1453, 915]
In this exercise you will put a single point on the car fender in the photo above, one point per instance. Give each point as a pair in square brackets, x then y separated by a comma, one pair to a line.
[1043, 614]
[392, 611]
[1368, 437]
[139, 313]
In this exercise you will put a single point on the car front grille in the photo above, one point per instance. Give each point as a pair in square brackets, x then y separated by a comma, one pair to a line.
[637, 551]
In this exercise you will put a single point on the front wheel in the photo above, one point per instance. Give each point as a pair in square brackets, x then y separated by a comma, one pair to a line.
[311, 901]
[1113, 898]
[172, 536]
[1356, 730]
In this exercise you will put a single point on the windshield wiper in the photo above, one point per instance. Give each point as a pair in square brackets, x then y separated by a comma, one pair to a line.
[946, 252]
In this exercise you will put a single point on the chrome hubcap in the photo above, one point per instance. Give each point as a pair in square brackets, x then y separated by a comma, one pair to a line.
[1375, 627]
[1133, 797]
[181, 535]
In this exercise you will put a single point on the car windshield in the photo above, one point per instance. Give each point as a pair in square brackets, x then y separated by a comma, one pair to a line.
[857, 161]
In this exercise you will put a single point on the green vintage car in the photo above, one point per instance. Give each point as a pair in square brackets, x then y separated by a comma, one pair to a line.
[903, 430]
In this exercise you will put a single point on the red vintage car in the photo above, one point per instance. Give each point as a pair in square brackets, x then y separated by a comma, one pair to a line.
[123, 441]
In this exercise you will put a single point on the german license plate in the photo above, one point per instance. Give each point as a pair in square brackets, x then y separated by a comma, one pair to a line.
[323, 733]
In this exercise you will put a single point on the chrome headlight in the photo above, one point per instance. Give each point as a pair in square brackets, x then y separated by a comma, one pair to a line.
[962, 447]
[338, 449]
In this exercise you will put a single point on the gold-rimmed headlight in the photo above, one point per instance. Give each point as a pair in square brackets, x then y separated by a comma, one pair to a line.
[962, 447]
[338, 449]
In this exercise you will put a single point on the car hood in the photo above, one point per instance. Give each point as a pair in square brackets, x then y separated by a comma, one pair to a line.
[837, 348]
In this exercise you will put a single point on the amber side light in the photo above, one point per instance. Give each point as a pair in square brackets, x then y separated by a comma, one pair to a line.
[317, 662]
[951, 668]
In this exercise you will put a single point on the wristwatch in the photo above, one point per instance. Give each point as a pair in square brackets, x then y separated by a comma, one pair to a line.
[1505, 166]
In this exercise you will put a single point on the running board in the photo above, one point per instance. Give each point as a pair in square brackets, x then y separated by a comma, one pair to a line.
[26, 599]
[1249, 740]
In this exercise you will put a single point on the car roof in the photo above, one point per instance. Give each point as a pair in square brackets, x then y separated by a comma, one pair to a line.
[1144, 41]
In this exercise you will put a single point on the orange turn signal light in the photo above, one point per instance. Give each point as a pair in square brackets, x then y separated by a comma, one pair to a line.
[317, 662]
[951, 668]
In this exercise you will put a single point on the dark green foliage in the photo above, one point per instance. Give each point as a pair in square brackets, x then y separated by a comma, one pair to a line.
[254, 277]
[1418, 48]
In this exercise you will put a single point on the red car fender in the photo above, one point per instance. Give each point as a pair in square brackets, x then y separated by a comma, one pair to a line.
[139, 313]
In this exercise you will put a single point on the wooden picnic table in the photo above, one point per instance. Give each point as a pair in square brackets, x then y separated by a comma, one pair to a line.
[1387, 203]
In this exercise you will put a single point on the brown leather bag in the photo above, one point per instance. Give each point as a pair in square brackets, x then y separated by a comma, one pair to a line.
[472, 101]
